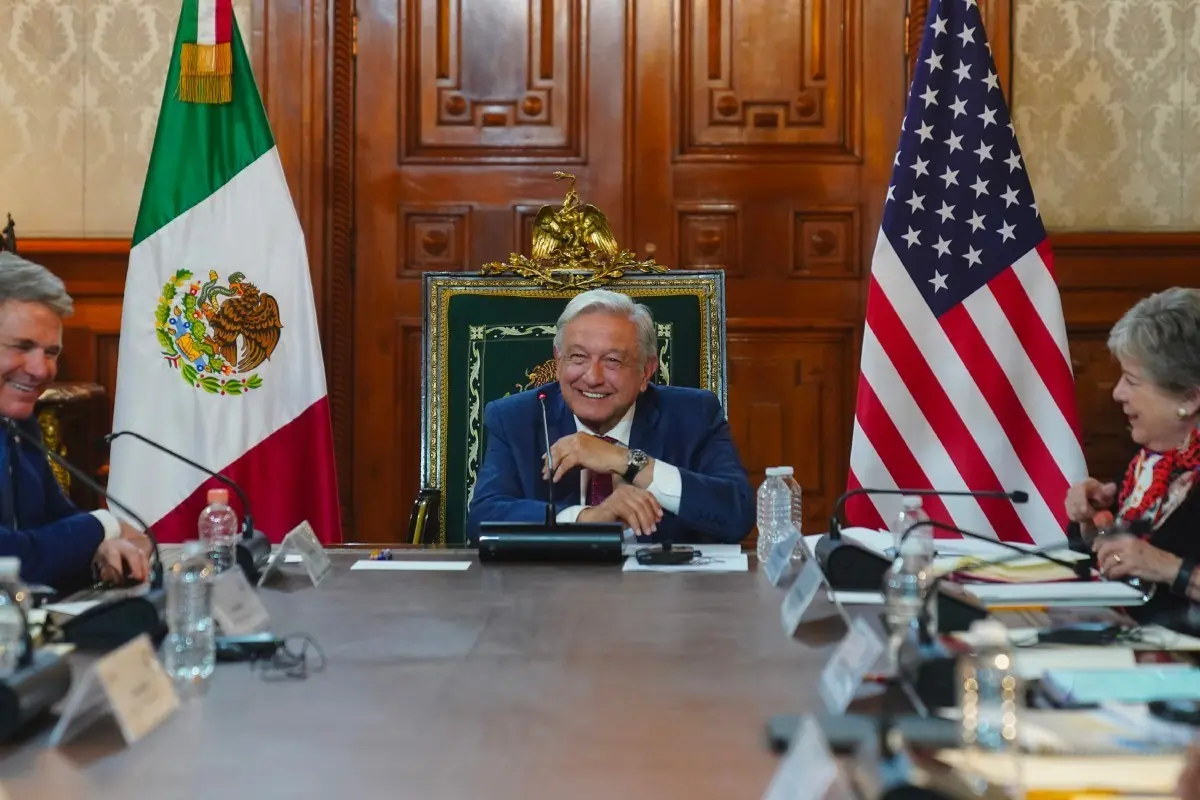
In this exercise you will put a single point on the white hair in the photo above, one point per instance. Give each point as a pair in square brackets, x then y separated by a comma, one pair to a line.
[612, 303]
[1162, 334]
[26, 282]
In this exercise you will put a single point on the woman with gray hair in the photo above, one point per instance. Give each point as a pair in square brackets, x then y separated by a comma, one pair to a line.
[1158, 345]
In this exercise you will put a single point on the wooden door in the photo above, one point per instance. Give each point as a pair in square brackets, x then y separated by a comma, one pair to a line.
[464, 111]
[751, 135]
[765, 138]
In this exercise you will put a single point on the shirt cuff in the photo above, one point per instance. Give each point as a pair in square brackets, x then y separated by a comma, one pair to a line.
[667, 486]
[569, 514]
[112, 528]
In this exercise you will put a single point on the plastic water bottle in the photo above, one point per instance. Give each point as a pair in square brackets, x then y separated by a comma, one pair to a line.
[774, 511]
[15, 599]
[910, 614]
[219, 529]
[989, 695]
[789, 480]
[911, 513]
[190, 649]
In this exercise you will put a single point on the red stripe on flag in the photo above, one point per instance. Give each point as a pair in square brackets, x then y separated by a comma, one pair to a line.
[224, 25]
[941, 414]
[289, 477]
[1046, 254]
[864, 513]
[1039, 345]
[897, 459]
[1002, 398]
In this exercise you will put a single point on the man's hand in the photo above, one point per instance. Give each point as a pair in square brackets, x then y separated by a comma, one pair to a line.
[1087, 497]
[116, 558]
[635, 508]
[587, 451]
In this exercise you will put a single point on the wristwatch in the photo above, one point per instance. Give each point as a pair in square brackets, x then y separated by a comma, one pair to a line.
[637, 462]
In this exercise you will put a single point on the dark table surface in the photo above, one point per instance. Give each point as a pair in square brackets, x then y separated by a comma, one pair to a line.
[503, 681]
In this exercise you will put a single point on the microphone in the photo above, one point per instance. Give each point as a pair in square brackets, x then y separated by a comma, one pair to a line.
[551, 515]
[254, 548]
[550, 540]
[111, 623]
[41, 679]
[849, 565]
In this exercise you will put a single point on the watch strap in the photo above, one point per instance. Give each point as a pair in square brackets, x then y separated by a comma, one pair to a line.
[1183, 578]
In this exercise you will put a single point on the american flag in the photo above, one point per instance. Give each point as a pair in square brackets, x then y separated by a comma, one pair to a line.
[966, 381]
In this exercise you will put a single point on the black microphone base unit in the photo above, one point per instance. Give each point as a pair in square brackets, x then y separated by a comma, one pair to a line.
[112, 623]
[577, 542]
[32, 690]
[253, 555]
[850, 566]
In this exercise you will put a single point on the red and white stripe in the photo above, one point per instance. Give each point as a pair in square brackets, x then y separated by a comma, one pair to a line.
[981, 399]
[214, 22]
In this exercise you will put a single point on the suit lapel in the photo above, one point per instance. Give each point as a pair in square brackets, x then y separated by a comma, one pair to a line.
[642, 436]
[562, 423]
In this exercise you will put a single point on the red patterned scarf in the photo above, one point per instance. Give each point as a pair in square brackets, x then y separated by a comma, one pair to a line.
[1169, 474]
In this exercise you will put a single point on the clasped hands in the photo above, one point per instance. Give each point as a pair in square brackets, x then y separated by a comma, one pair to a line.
[634, 507]
[1125, 556]
[124, 559]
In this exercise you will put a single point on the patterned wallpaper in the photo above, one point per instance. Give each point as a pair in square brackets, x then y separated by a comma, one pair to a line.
[80, 86]
[1106, 100]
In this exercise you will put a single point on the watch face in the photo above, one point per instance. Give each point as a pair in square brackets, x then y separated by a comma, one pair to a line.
[638, 459]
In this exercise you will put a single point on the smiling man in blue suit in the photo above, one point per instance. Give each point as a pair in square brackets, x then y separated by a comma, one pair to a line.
[657, 458]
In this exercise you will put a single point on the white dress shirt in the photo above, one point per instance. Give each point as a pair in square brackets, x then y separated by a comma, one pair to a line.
[666, 486]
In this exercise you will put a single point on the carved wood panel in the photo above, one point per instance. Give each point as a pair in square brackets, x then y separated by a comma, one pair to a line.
[791, 404]
[779, 80]
[481, 76]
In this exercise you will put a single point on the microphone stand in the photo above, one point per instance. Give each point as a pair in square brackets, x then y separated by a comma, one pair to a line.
[849, 565]
[111, 623]
[41, 679]
[253, 548]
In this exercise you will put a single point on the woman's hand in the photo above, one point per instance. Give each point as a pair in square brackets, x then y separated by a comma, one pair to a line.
[1087, 497]
[1131, 557]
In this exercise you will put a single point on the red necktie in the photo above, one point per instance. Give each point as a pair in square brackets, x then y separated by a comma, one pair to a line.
[600, 484]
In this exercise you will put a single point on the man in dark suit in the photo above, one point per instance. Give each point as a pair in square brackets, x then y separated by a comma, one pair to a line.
[657, 458]
[58, 544]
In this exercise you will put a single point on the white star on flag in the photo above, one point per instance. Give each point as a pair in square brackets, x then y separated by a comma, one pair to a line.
[1006, 232]
[938, 281]
[972, 256]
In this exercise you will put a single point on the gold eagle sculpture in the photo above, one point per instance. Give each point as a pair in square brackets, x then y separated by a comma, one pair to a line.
[573, 247]
[251, 315]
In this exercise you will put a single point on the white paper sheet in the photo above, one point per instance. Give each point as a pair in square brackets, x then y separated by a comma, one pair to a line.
[415, 565]
[848, 598]
[289, 558]
[706, 563]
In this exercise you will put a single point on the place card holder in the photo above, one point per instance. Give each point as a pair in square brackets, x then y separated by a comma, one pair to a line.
[779, 560]
[237, 608]
[129, 684]
[302, 541]
[851, 660]
[800, 596]
[808, 771]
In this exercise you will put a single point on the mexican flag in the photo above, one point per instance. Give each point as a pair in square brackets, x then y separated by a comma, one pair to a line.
[220, 354]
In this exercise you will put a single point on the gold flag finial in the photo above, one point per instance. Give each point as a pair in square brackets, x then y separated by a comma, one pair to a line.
[573, 248]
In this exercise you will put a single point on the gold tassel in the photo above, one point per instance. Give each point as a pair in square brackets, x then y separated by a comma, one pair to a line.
[206, 73]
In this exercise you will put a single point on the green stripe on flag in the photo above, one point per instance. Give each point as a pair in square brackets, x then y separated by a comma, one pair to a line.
[199, 147]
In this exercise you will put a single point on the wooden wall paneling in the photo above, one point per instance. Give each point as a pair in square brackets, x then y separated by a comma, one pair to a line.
[791, 403]
[782, 134]
[463, 112]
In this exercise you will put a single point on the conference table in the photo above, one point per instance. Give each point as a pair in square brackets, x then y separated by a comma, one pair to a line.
[500, 681]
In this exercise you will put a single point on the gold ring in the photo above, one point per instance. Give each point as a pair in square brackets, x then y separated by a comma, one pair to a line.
[1117, 558]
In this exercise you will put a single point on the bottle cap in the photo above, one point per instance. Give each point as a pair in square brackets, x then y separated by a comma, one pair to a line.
[778, 472]
[218, 496]
[989, 632]
[911, 501]
[10, 567]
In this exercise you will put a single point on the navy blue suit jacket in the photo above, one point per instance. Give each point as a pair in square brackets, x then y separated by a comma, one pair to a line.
[39, 525]
[683, 427]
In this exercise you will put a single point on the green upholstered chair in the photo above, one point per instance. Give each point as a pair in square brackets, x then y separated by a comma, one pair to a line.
[489, 335]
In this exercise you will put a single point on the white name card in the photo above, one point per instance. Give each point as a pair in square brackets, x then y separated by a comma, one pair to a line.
[854, 656]
[800, 596]
[237, 608]
[303, 542]
[779, 560]
[129, 683]
[808, 769]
